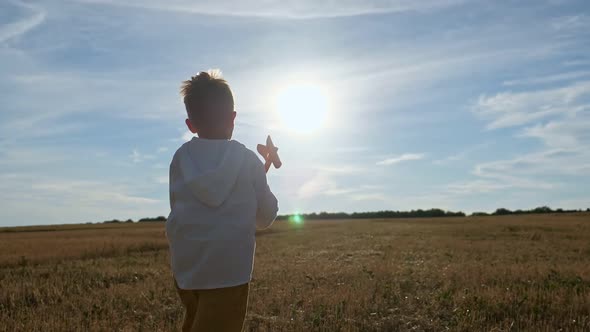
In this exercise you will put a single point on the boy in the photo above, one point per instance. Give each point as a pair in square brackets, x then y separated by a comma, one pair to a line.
[218, 197]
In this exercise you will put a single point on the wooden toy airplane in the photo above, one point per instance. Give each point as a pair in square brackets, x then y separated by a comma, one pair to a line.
[270, 154]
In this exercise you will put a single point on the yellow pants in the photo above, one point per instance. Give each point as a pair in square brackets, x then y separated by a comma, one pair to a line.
[212, 310]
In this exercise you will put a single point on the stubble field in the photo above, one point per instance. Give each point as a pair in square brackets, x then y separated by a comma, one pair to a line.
[513, 273]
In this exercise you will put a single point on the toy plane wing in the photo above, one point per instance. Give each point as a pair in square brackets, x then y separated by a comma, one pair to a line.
[270, 154]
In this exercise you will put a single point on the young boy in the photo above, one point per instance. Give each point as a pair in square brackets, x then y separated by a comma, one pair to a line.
[218, 197]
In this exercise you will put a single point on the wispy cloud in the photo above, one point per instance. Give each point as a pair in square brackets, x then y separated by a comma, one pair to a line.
[462, 155]
[329, 185]
[477, 187]
[568, 133]
[571, 22]
[306, 9]
[558, 118]
[368, 196]
[27, 156]
[53, 199]
[575, 63]
[315, 186]
[94, 192]
[340, 169]
[508, 109]
[401, 158]
[22, 26]
[548, 78]
[531, 171]
[546, 162]
[77, 72]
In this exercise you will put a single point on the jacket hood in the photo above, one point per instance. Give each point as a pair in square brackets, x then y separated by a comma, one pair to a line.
[210, 168]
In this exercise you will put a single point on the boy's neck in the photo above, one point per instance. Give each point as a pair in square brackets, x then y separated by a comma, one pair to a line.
[224, 137]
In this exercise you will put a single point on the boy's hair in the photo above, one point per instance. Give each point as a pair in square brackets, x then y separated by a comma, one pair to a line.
[208, 98]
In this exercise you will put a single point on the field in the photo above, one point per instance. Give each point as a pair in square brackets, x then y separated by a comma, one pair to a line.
[512, 273]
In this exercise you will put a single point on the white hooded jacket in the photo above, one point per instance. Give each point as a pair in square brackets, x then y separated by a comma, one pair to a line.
[218, 197]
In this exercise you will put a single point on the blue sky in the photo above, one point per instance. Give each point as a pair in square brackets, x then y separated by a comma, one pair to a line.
[456, 104]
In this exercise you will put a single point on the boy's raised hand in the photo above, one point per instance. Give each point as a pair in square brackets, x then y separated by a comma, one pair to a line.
[270, 154]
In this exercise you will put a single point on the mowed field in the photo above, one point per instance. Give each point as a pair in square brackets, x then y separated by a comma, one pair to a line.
[512, 273]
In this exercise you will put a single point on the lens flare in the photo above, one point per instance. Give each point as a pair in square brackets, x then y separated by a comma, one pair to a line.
[296, 219]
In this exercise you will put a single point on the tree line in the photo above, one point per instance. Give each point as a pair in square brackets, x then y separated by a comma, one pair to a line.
[537, 210]
[430, 213]
[115, 221]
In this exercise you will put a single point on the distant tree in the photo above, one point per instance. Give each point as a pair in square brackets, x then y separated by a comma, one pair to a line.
[502, 212]
[129, 221]
[542, 209]
[480, 214]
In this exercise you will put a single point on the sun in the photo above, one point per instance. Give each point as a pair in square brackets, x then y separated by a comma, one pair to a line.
[302, 107]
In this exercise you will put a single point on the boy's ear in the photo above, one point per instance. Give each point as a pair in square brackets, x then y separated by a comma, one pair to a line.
[233, 116]
[190, 126]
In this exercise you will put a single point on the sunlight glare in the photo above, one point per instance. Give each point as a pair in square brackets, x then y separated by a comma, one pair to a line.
[302, 108]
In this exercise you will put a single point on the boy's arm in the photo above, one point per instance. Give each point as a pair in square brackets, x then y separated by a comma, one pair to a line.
[267, 202]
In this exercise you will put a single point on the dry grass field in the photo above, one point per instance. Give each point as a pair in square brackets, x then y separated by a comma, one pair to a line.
[513, 273]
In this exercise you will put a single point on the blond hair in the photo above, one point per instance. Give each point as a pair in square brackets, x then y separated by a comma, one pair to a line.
[207, 97]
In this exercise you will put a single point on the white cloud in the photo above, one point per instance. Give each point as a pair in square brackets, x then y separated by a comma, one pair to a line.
[138, 157]
[187, 136]
[401, 158]
[161, 179]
